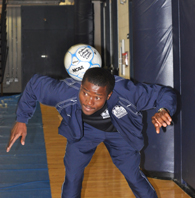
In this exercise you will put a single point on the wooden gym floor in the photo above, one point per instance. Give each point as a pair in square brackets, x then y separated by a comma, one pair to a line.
[102, 178]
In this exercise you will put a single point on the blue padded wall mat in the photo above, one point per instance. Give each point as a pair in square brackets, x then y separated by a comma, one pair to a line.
[23, 171]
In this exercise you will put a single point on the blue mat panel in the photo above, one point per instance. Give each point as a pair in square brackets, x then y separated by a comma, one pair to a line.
[23, 171]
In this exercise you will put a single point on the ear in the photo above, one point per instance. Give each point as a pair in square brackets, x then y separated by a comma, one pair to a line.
[108, 97]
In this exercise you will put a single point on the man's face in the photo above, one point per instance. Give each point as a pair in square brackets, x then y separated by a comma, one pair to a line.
[92, 97]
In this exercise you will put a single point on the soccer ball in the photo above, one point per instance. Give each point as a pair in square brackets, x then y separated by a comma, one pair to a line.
[80, 58]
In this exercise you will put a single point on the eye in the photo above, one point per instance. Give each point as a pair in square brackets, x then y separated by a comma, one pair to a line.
[97, 98]
[85, 93]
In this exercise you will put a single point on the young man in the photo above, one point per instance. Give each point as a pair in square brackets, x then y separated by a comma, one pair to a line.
[102, 108]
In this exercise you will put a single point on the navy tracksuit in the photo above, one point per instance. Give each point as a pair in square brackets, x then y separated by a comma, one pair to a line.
[125, 107]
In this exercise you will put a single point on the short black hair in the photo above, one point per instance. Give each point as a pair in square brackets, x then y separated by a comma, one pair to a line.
[100, 77]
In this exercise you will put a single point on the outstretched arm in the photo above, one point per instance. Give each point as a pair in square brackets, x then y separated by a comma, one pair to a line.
[161, 118]
[40, 88]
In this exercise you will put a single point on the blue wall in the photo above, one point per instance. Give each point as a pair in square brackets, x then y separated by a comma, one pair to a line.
[153, 63]
[164, 53]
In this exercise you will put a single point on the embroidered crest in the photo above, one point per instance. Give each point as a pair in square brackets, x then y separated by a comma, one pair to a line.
[119, 111]
[105, 114]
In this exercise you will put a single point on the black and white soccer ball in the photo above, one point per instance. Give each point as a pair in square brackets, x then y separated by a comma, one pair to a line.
[80, 58]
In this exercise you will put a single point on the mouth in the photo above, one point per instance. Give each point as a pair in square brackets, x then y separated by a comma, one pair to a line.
[87, 108]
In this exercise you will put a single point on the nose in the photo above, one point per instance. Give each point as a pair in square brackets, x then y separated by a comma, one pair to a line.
[90, 101]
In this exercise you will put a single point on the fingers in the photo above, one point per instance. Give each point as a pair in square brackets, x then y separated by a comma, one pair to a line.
[23, 139]
[161, 119]
[13, 139]
[157, 130]
[156, 124]
[19, 130]
[11, 142]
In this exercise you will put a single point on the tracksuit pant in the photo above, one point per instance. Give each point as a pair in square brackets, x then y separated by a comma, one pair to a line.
[127, 160]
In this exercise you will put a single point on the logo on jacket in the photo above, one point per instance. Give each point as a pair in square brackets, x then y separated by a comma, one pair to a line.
[105, 114]
[119, 111]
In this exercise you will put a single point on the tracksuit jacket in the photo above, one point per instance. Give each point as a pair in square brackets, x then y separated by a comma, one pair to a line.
[125, 105]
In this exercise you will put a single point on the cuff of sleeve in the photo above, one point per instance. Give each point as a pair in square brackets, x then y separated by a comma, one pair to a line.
[171, 110]
[23, 120]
